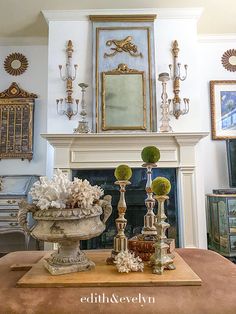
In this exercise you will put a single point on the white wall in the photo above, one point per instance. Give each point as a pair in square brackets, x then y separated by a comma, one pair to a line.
[33, 80]
[213, 154]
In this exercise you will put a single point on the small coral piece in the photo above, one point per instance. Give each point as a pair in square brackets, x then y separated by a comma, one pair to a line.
[150, 154]
[161, 186]
[123, 173]
[126, 262]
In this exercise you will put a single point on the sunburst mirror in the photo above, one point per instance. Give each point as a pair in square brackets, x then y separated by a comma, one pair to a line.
[15, 64]
[229, 60]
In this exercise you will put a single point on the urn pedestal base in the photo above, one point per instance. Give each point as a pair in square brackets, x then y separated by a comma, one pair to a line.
[66, 269]
[68, 259]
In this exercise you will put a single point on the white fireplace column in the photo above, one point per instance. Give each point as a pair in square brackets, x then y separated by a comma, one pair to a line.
[102, 151]
[188, 193]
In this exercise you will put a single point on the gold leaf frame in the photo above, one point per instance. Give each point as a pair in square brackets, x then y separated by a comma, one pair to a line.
[16, 123]
[138, 18]
[12, 57]
[225, 60]
[121, 70]
[213, 104]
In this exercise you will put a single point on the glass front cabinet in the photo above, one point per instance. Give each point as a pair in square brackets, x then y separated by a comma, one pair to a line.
[221, 224]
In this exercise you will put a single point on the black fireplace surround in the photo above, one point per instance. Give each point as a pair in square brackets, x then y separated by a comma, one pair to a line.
[135, 200]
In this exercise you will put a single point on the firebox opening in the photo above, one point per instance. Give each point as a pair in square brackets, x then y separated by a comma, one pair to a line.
[135, 200]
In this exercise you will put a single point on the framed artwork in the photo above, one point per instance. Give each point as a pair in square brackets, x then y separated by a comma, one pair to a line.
[223, 109]
[123, 99]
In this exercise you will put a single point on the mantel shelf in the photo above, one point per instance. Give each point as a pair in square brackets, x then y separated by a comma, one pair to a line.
[56, 139]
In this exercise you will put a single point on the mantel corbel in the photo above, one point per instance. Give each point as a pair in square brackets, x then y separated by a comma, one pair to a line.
[192, 140]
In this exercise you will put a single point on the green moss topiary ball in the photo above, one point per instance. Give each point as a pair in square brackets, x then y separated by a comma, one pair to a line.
[150, 154]
[161, 186]
[123, 173]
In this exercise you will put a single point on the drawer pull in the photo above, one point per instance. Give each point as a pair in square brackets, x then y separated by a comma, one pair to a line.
[13, 224]
[14, 215]
[11, 201]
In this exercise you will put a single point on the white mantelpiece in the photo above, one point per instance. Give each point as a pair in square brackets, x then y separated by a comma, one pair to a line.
[99, 151]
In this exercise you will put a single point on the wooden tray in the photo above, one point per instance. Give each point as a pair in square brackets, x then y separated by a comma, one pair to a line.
[107, 276]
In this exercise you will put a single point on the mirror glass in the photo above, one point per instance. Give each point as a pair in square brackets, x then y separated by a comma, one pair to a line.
[16, 64]
[124, 102]
[232, 60]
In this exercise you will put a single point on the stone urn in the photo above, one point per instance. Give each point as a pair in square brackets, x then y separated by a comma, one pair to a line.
[66, 227]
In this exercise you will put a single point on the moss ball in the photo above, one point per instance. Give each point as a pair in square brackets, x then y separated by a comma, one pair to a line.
[150, 154]
[123, 173]
[161, 186]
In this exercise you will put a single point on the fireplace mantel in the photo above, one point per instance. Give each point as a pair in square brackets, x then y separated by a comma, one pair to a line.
[100, 150]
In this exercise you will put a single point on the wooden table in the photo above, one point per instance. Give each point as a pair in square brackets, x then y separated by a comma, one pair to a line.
[216, 295]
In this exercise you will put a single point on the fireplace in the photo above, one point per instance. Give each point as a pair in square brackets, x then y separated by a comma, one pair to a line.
[178, 150]
[135, 197]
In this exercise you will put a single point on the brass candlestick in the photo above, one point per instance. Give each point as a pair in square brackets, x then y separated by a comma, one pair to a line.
[120, 240]
[83, 123]
[161, 260]
[149, 229]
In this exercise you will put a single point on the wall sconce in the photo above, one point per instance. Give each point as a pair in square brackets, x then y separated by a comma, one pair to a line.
[67, 106]
[165, 103]
[179, 107]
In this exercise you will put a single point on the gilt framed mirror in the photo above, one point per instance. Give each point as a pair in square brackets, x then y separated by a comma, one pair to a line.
[229, 60]
[15, 64]
[127, 40]
[123, 99]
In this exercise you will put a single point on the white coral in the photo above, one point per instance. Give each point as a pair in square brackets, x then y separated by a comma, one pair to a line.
[60, 192]
[52, 193]
[83, 194]
[126, 261]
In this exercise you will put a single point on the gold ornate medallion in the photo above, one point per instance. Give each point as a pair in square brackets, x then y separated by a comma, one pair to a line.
[15, 64]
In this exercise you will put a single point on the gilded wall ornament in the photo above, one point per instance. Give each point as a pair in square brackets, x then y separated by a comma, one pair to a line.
[228, 60]
[16, 120]
[15, 64]
[123, 45]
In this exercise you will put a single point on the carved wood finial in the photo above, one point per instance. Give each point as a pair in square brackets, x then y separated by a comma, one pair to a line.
[175, 49]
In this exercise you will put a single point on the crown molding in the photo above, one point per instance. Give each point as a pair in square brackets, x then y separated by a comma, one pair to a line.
[23, 41]
[83, 15]
[217, 38]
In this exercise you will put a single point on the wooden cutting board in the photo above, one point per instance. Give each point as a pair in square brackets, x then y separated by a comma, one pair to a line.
[107, 275]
